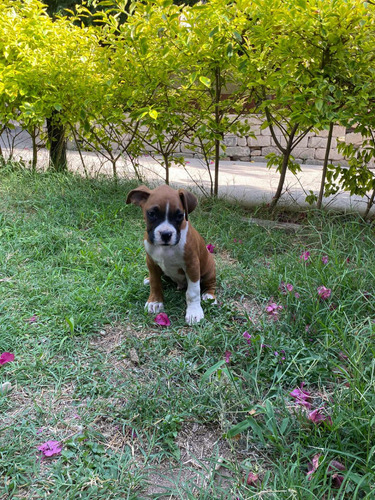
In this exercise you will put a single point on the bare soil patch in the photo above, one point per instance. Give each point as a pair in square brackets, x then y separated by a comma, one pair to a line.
[204, 455]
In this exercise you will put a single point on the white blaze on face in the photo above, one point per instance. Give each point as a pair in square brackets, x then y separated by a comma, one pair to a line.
[165, 233]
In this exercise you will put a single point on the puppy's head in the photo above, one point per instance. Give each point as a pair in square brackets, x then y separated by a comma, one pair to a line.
[165, 211]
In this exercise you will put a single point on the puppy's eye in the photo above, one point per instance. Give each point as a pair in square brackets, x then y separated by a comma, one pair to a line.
[151, 214]
[179, 217]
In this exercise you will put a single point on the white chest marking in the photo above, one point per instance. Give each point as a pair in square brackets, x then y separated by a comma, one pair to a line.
[170, 258]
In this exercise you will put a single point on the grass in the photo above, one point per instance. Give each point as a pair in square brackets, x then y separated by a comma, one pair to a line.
[150, 412]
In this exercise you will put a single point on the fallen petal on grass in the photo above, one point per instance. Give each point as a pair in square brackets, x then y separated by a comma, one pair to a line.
[336, 465]
[50, 448]
[337, 480]
[32, 319]
[285, 287]
[162, 319]
[301, 396]
[323, 292]
[6, 357]
[313, 466]
[252, 479]
[305, 256]
[273, 310]
[316, 416]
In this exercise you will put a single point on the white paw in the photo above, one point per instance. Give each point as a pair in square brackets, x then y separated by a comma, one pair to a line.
[154, 307]
[146, 281]
[208, 296]
[194, 314]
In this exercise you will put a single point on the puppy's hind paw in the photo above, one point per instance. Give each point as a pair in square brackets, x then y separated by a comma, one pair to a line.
[154, 307]
[208, 296]
[146, 281]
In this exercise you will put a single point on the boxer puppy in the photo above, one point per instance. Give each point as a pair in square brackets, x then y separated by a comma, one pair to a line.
[175, 248]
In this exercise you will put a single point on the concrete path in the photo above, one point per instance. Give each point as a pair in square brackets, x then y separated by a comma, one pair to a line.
[250, 183]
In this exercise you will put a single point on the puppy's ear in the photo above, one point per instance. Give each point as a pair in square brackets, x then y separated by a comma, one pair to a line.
[138, 196]
[189, 201]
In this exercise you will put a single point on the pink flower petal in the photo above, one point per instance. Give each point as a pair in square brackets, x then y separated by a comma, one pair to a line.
[305, 256]
[50, 448]
[337, 480]
[303, 402]
[325, 259]
[323, 292]
[247, 336]
[301, 396]
[227, 355]
[252, 479]
[285, 287]
[210, 248]
[31, 320]
[317, 417]
[162, 319]
[6, 357]
[336, 465]
[273, 308]
[313, 466]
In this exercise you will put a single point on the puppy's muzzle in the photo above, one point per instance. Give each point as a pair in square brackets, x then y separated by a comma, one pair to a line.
[166, 237]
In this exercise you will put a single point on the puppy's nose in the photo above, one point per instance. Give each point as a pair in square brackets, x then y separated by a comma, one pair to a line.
[166, 236]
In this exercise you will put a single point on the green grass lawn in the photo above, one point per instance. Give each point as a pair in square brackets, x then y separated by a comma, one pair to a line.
[143, 411]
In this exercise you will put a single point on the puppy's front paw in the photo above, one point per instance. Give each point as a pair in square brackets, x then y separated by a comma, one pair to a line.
[194, 314]
[154, 307]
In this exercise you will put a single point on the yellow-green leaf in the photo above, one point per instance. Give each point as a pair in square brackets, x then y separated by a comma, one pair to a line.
[153, 113]
[206, 81]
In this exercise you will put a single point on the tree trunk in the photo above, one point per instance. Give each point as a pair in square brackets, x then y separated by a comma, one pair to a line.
[114, 170]
[284, 167]
[57, 142]
[1, 151]
[369, 205]
[217, 122]
[217, 167]
[325, 167]
[35, 149]
[166, 163]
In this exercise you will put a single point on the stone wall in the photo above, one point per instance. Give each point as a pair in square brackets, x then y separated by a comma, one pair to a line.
[311, 150]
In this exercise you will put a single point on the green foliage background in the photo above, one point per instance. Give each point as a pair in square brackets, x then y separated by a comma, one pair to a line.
[155, 73]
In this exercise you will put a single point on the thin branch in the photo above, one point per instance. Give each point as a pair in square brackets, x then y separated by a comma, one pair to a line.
[269, 120]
